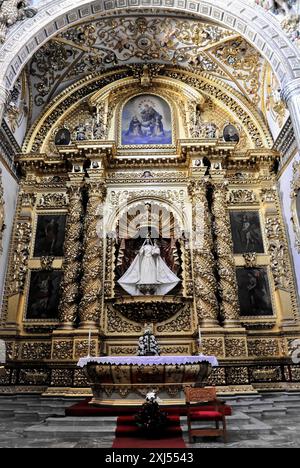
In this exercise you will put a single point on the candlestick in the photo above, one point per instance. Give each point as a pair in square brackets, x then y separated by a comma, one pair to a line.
[90, 340]
[200, 336]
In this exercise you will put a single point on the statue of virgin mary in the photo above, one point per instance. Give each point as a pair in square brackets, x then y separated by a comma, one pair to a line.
[148, 274]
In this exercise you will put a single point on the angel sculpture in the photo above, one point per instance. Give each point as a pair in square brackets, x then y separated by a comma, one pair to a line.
[12, 11]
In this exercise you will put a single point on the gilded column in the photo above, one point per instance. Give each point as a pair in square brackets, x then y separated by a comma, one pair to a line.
[205, 283]
[72, 264]
[228, 289]
[92, 282]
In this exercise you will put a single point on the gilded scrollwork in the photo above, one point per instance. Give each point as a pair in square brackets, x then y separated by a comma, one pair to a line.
[180, 324]
[263, 347]
[117, 324]
[242, 196]
[123, 40]
[72, 264]
[62, 350]
[213, 347]
[268, 195]
[236, 347]
[27, 199]
[250, 259]
[62, 377]
[47, 263]
[237, 376]
[85, 347]
[278, 252]
[53, 200]
[225, 260]
[35, 351]
[92, 281]
[20, 256]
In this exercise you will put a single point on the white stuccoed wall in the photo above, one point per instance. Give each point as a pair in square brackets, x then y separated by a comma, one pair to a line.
[285, 189]
[10, 187]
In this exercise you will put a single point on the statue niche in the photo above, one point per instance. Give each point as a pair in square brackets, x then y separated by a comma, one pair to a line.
[149, 274]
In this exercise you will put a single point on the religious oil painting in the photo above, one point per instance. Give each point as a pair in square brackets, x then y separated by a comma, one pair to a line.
[43, 300]
[147, 120]
[254, 292]
[231, 134]
[63, 137]
[50, 236]
[246, 232]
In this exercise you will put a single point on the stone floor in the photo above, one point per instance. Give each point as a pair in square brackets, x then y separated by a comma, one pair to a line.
[270, 421]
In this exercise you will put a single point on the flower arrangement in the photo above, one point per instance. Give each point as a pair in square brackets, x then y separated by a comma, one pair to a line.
[150, 418]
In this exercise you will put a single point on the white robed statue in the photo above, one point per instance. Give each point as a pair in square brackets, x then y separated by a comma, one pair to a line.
[149, 274]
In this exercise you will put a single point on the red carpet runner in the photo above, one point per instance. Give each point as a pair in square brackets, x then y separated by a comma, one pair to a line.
[128, 435]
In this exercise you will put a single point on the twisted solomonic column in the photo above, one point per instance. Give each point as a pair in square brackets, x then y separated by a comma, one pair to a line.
[230, 310]
[72, 264]
[205, 283]
[92, 282]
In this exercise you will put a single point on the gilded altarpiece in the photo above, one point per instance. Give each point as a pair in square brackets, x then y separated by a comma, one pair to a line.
[87, 206]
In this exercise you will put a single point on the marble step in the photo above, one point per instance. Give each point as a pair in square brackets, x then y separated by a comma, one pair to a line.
[83, 421]
[269, 412]
[81, 427]
[69, 432]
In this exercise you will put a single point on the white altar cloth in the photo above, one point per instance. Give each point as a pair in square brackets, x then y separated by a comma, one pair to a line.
[148, 360]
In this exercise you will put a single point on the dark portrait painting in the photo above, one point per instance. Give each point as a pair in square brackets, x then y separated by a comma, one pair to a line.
[231, 134]
[44, 295]
[254, 292]
[246, 232]
[50, 236]
[63, 137]
[147, 120]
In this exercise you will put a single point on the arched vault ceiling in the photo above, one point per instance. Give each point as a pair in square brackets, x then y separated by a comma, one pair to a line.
[98, 45]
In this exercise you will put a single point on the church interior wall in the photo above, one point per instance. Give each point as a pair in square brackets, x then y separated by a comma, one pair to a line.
[239, 286]
[285, 184]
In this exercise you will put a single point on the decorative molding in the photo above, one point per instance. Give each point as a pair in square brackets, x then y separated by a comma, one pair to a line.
[20, 255]
[242, 197]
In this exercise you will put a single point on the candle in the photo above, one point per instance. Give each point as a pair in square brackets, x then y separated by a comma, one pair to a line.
[90, 340]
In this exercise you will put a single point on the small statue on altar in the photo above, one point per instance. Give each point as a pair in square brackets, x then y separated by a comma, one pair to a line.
[147, 345]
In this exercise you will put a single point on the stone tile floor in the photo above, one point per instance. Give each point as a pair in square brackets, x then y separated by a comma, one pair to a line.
[281, 431]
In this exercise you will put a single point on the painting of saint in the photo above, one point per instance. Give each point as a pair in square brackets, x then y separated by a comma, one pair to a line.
[147, 120]
[246, 232]
[44, 295]
[254, 292]
[50, 236]
[63, 137]
[231, 134]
